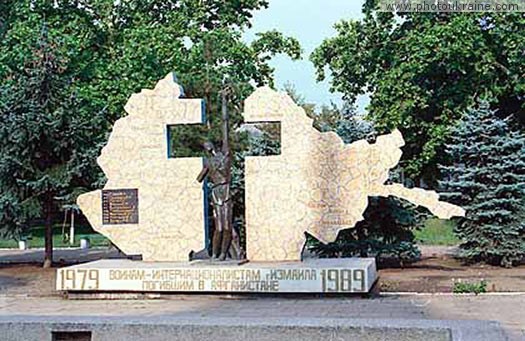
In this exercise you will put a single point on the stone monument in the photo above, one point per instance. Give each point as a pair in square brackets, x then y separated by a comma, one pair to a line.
[152, 205]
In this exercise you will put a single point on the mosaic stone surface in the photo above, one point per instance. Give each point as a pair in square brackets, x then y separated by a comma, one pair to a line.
[170, 200]
[318, 184]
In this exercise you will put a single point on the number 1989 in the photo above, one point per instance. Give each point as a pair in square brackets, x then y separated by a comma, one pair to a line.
[343, 280]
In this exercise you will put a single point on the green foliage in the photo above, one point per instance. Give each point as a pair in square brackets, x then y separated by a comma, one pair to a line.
[437, 232]
[43, 144]
[423, 69]
[466, 287]
[486, 175]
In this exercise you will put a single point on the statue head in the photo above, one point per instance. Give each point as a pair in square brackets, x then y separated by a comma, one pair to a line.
[208, 146]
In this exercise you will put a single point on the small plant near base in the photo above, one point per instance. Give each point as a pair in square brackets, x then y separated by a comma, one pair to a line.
[470, 288]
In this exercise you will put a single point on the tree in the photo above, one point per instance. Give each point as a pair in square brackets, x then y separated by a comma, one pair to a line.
[142, 41]
[105, 51]
[486, 175]
[423, 69]
[42, 142]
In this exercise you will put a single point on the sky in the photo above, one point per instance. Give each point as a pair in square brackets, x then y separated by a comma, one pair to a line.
[310, 22]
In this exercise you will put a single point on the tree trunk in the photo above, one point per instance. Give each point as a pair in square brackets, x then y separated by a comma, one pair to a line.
[48, 236]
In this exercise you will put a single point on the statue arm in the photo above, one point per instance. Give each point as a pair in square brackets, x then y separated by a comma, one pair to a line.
[203, 173]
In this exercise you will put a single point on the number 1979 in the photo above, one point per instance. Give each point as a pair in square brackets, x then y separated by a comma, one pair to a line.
[80, 279]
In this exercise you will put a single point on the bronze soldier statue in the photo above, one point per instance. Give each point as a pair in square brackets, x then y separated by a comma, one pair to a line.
[217, 168]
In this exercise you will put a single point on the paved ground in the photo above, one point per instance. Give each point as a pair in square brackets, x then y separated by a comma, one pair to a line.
[509, 310]
[76, 255]
[61, 256]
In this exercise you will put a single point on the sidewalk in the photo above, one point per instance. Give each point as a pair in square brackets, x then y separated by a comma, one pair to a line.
[508, 310]
[60, 255]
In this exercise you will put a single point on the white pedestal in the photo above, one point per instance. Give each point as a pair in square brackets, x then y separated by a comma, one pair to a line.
[84, 244]
[337, 275]
[23, 245]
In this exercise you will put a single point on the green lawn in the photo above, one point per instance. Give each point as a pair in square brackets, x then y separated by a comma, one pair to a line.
[37, 237]
[437, 232]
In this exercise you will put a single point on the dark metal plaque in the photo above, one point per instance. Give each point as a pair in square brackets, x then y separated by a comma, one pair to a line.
[120, 206]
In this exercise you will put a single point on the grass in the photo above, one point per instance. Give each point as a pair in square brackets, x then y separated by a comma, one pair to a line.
[468, 287]
[36, 237]
[437, 232]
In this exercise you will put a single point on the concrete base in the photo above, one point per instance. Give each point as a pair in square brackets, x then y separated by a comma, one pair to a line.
[164, 328]
[341, 275]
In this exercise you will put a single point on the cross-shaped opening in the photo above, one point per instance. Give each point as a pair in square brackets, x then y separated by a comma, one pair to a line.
[254, 139]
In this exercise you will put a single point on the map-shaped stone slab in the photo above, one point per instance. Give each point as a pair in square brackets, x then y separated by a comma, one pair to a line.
[317, 184]
[170, 201]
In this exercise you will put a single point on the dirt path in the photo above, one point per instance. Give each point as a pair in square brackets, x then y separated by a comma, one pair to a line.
[438, 274]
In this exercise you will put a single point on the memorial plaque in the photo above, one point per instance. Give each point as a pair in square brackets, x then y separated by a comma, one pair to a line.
[120, 206]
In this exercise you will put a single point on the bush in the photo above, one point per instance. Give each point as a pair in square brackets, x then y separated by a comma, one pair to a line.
[385, 233]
